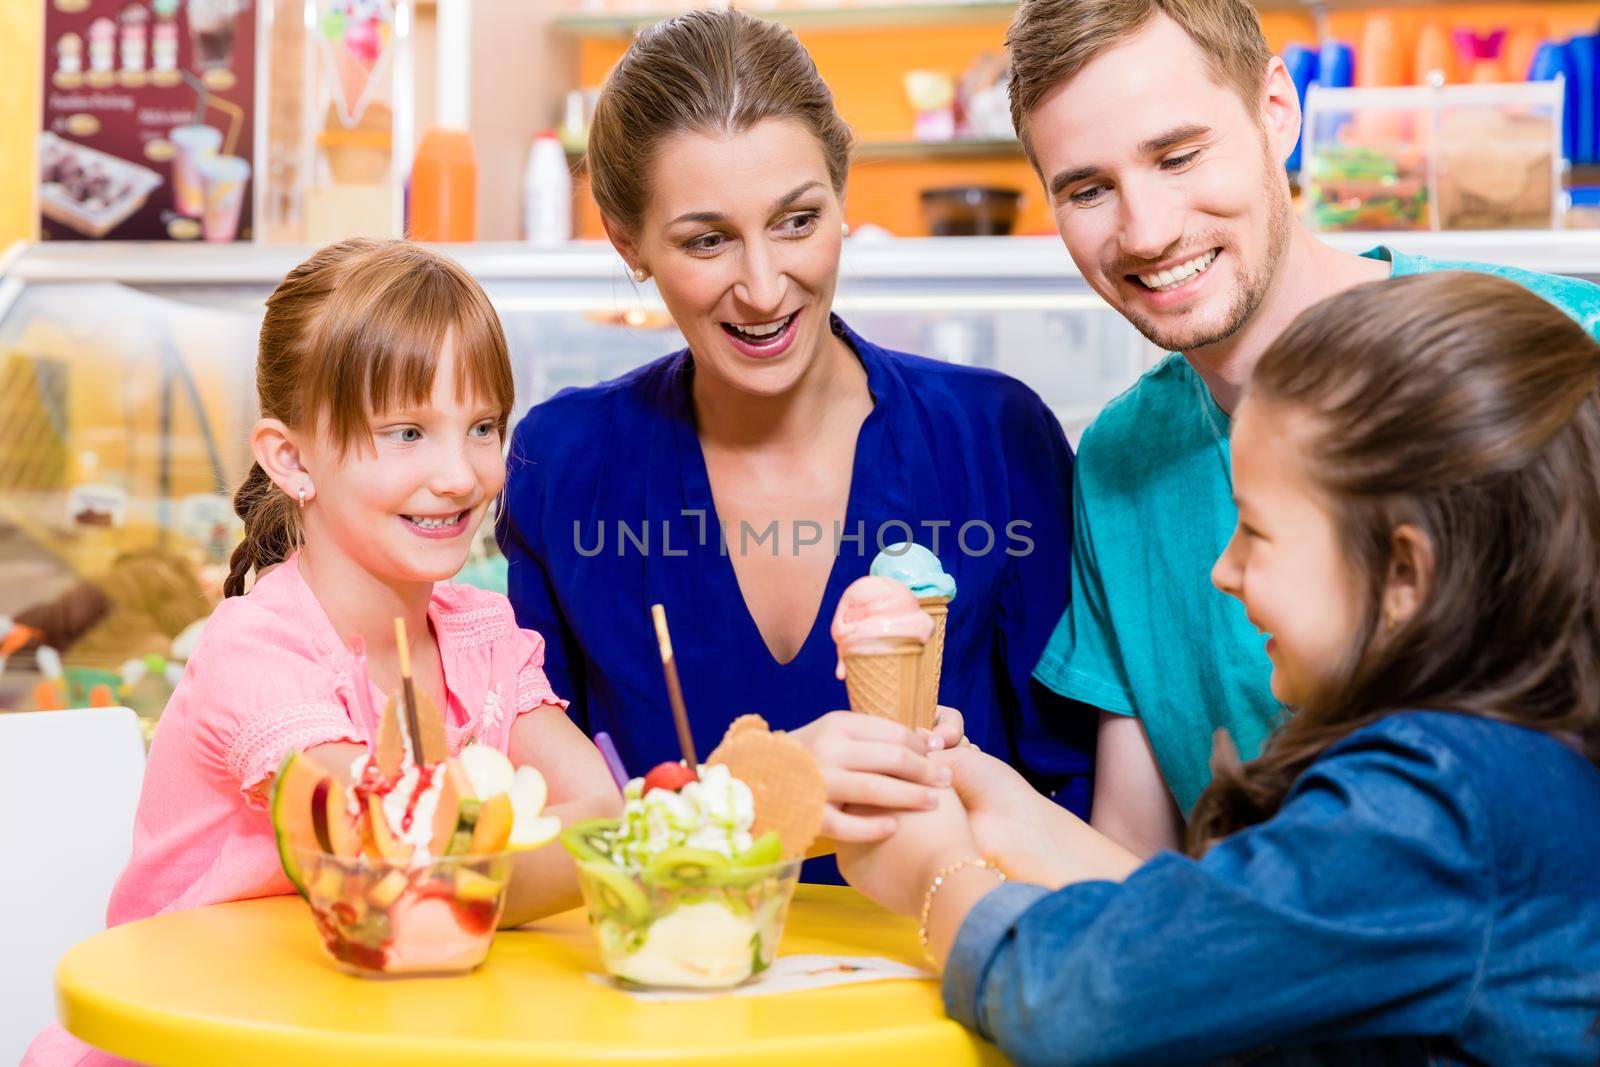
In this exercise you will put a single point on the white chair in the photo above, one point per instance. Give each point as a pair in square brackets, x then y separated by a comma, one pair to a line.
[69, 785]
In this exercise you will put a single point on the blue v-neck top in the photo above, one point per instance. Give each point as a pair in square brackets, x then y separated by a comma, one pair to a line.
[608, 509]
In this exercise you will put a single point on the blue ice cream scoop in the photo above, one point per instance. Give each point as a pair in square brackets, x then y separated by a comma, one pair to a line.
[916, 567]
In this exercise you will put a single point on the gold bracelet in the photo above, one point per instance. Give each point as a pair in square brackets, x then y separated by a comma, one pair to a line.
[933, 890]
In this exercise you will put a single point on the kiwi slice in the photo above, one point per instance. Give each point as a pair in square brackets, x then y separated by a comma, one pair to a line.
[590, 839]
[619, 897]
[764, 852]
[684, 867]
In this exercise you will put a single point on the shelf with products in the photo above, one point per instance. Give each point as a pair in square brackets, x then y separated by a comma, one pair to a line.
[624, 23]
[875, 151]
[628, 20]
[925, 97]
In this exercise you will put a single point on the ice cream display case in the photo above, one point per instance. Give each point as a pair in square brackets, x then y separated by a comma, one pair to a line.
[127, 395]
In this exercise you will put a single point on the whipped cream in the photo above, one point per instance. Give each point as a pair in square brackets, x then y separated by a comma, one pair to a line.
[714, 813]
[420, 833]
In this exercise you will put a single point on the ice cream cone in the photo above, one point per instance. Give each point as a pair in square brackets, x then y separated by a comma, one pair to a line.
[931, 666]
[887, 684]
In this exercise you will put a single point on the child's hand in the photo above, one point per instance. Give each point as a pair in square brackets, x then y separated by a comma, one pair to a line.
[872, 764]
[897, 872]
[1029, 835]
[949, 727]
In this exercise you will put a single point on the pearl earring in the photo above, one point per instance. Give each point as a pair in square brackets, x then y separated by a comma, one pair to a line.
[844, 228]
[640, 275]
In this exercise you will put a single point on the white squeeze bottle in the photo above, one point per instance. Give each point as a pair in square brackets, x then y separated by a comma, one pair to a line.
[547, 193]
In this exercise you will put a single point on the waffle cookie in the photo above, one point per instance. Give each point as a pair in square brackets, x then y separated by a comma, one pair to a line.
[788, 787]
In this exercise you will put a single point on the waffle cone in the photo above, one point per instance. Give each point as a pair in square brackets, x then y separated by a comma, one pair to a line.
[931, 667]
[886, 684]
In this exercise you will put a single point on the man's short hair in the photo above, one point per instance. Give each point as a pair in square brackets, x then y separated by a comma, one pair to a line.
[1052, 40]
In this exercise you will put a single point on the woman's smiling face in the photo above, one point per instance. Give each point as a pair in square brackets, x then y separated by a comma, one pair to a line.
[742, 233]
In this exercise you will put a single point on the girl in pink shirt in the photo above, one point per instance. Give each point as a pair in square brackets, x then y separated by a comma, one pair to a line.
[385, 389]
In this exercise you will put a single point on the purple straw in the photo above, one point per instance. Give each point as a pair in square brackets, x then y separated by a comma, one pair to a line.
[608, 752]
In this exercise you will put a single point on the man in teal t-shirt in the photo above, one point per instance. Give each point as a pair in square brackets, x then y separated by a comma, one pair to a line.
[1161, 131]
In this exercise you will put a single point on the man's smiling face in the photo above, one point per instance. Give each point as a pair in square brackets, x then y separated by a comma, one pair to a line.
[1167, 189]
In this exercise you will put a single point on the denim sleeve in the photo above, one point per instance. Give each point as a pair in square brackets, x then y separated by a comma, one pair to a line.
[528, 585]
[1361, 911]
[1052, 741]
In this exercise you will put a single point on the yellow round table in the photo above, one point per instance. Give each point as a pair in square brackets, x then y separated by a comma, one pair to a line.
[247, 983]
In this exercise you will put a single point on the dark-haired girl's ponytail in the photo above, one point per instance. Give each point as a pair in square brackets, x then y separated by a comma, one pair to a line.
[271, 529]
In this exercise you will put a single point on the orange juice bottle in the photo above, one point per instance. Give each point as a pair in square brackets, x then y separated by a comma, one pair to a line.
[444, 187]
[1516, 55]
[1436, 52]
[1382, 60]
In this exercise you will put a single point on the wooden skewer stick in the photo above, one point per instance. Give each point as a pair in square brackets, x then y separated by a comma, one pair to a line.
[669, 667]
[408, 691]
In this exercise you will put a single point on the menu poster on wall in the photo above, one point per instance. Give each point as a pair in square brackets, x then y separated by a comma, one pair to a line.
[149, 109]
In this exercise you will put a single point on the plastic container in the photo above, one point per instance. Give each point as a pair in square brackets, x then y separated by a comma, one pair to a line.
[1550, 64]
[707, 928]
[1456, 157]
[970, 210]
[547, 193]
[383, 920]
[192, 144]
[223, 180]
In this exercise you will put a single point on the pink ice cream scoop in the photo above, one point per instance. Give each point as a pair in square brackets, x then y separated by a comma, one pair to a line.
[877, 615]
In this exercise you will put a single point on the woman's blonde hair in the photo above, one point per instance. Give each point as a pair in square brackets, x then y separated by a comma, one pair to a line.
[714, 72]
[357, 329]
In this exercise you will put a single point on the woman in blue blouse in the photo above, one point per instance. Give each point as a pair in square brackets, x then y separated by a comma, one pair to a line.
[745, 481]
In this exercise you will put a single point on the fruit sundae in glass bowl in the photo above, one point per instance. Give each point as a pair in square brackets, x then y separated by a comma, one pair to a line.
[406, 870]
[690, 888]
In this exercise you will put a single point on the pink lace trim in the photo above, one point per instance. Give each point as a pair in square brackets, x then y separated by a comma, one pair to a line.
[480, 626]
[533, 690]
[257, 747]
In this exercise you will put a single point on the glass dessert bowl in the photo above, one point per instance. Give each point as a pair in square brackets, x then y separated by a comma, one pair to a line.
[380, 919]
[691, 919]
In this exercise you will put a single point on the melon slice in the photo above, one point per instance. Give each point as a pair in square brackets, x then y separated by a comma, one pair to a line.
[331, 821]
[455, 791]
[381, 840]
[493, 829]
[300, 782]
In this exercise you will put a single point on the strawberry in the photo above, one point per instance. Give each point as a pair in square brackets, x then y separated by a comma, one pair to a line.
[670, 776]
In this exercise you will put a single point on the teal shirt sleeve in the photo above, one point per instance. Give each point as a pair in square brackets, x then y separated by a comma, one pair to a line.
[1082, 660]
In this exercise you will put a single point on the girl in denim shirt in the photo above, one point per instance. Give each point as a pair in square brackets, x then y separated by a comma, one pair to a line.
[1410, 872]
